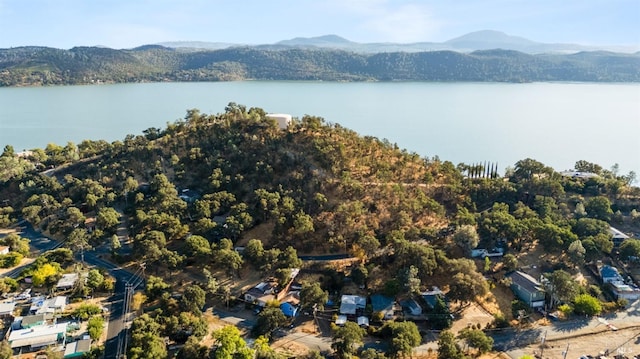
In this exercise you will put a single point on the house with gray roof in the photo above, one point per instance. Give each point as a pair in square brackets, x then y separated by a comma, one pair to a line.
[350, 304]
[527, 289]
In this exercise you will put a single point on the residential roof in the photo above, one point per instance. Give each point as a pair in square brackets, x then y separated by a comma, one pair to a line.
[29, 320]
[380, 303]
[75, 349]
[288, 309]
[617, 234]
[351, 303]
[37, 336]
[7, 307]
[621, 287]
[363, 321]
[412, 305]
[4, 248]
[341, 319]
[52, 304]
[67, 280]
[578, 174]
[608, 271]
[431, 296]
[525, 281]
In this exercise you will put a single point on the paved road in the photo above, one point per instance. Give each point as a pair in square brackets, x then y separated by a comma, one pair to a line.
[116, 332]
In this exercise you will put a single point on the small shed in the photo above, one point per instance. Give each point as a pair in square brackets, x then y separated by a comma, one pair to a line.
[363, 321]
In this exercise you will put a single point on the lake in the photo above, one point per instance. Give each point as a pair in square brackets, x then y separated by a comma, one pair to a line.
[555, 123]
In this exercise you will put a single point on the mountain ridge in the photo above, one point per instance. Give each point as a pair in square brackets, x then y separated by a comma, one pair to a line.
[476, 40]
[34, 66]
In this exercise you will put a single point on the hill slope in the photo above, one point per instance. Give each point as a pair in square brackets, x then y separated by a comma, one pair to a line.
[47, 66]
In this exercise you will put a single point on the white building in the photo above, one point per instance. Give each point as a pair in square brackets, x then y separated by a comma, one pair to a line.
[282, 119]
[39, 336]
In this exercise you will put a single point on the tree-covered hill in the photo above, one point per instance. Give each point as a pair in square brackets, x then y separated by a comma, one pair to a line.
[82, 65]
[216, 197]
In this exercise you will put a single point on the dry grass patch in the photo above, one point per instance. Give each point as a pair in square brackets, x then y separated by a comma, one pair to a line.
[498, 301]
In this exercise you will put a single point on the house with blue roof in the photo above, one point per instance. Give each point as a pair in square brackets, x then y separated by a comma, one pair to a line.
[383, 304]
[430, 297]
[289, 310]
[609, 274]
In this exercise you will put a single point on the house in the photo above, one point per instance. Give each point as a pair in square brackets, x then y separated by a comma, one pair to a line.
[383, 304]
[482, 253]
[6, 309]
[67, 281]
[411, 307]
[289, 310]
[38, 336]
[610, 274]
[578, 174]
[351, 304]
[624, 291]
[4, 249]
[431, 296]
[261, 294]
[189, 196]
[77, 348]
[527, 288]
[617, 236]
[51, 305]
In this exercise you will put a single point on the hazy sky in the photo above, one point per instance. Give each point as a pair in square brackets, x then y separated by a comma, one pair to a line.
[130, 23]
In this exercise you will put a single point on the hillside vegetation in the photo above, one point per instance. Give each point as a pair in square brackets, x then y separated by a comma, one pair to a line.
[27, 66]
[193, 191]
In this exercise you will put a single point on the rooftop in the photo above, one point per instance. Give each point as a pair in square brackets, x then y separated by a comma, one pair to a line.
[67, 280]
[525, 281]
[381, 302]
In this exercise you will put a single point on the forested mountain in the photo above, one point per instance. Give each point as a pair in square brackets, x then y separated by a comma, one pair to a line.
[211, 199]
[26, 66]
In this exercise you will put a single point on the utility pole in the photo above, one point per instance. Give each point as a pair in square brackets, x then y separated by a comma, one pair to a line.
[564, 353]
[544, 338]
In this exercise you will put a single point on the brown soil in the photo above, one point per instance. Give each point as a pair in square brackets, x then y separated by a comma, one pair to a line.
[624, 340]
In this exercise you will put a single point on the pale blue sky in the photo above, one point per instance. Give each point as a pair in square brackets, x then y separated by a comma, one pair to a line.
[130, 23]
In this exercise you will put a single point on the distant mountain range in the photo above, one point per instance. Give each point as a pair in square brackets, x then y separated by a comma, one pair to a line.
[479, 40]
[326, 58]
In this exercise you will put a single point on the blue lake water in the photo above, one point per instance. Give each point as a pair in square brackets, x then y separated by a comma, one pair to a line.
[555, 123]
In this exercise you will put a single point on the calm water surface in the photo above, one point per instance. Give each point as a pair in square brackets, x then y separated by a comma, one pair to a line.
[555, 123]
